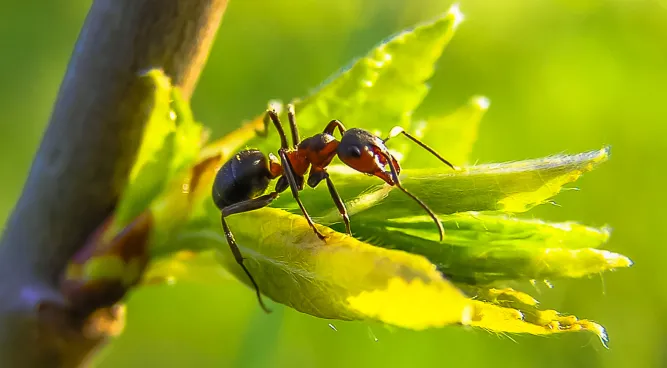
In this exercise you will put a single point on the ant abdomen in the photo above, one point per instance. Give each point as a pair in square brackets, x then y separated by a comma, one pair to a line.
[244, 176]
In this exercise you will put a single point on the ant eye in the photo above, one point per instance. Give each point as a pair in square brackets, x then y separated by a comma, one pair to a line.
[354, 151]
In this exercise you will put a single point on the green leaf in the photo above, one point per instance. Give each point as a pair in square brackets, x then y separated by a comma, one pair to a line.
[170, 145]
[158, 127]
[188, 134]
[342, 278]
[351, 280]
[481, 248]
[508, 187]
[187, 267]
[511, 311]
[150, 170]
[381, 89]
[346, 278]
[452, 135]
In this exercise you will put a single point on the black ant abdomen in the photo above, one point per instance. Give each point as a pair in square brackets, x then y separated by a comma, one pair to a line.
[244, 176]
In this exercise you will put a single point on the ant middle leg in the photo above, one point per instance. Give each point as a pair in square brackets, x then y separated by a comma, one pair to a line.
[399, 130]
[294, 186]
[339, 203]
[245, 206]
[315, 178]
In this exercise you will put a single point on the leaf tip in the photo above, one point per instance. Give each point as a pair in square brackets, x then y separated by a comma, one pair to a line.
[598, 330]
[606, 231]
[616, 260]
[457, 16]
[602, 334]
[606, 152]
[157, 76]
[600, 156]
[481, 103]
[276, 105]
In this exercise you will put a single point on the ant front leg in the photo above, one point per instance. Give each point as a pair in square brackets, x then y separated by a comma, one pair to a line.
[245, 206]
[272, 116]
[394, 167]
[315, 177]
[291, 116]
[283, 183]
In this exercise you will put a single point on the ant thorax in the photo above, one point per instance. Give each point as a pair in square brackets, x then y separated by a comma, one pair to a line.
[318, 151]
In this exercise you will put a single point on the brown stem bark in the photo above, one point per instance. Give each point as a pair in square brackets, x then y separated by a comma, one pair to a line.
[83, 162]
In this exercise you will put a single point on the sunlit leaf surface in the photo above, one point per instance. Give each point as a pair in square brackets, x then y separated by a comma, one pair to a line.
[482, 248]
[509, 187]
[380, 89]
[332, 279]
[170, 144]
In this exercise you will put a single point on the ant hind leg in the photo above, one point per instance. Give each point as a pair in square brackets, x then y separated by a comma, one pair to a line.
[245, 206]
[339, 204]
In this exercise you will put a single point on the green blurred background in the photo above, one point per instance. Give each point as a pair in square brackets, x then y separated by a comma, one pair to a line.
[562, 76]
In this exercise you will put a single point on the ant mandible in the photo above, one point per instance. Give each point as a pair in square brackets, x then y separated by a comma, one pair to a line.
[240, 182]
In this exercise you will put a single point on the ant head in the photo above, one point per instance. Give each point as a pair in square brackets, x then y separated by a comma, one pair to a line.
[366, 153]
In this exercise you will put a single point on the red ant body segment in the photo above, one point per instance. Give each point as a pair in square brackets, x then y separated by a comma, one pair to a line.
[240, 182]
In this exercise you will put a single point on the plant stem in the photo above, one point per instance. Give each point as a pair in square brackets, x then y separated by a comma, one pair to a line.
[84, 159]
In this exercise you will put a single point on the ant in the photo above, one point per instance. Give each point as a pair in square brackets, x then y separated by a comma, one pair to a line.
[240, 182]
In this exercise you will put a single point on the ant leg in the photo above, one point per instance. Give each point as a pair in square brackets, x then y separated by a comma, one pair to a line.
[394, 172]
[398, 130]
[289, 174]
[291, 116]
[250, 204]
[239, 260]
[273, 115]
[339, 203]
[245, 206]
[333, 124]
[315, 178]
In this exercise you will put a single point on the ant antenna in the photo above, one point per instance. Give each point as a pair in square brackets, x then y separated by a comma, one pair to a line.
[394, 173]
[398, 130]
